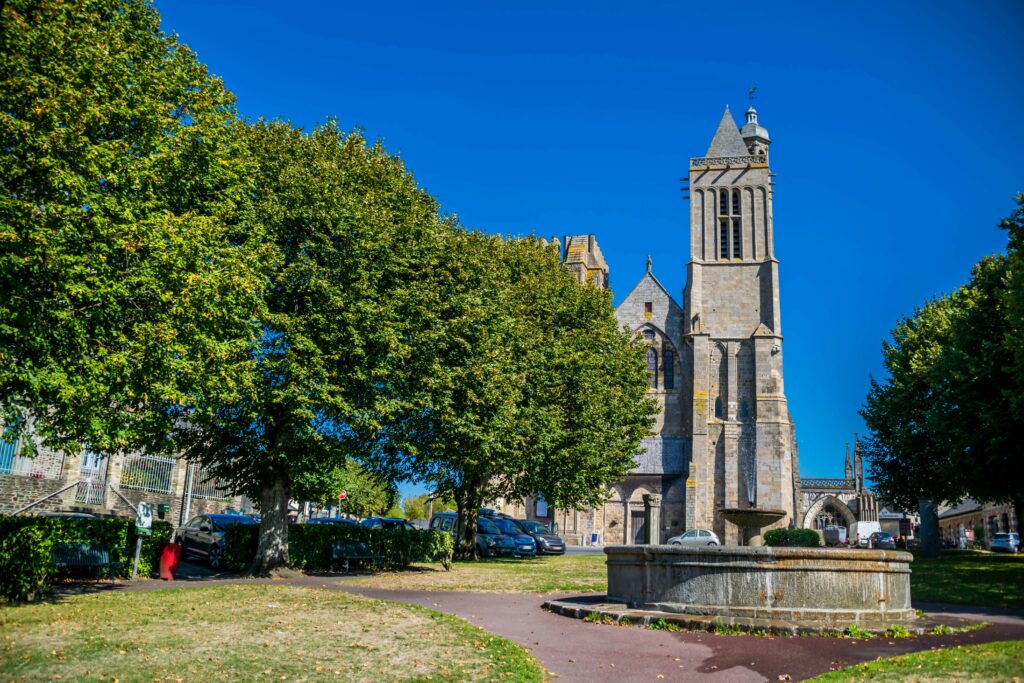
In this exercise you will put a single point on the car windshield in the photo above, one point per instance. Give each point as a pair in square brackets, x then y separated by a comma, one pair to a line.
[221, 523]
[883, 536]
[507, 526]
[535, 527]
[486, 526]
[1001, 537]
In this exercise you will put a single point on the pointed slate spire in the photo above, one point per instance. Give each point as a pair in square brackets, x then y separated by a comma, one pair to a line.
[727, 141]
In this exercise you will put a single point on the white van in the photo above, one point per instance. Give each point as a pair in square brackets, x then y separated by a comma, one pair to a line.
[862, 532]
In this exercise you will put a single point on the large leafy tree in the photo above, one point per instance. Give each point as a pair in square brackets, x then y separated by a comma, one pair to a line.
[526, 385]
[947, 422]
[126, 285]
[351, 234]
[365, 494]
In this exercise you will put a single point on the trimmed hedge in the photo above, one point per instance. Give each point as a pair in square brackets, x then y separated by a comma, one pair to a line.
[794, 538]
[27, 543]
[309, 545]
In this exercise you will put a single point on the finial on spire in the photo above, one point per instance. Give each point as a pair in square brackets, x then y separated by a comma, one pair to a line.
[649, 263]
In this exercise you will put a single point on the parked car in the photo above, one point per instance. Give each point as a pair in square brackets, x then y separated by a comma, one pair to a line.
[1008, 541]
[881, 539]
[387, 523]
[525, 545]
[203, 536]
[547, 542]
[696, 537]
[331, 520]
[490, 541]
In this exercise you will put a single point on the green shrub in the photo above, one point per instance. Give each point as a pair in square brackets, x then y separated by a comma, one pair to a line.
[27, 543]
[309, 545]
[794, 538]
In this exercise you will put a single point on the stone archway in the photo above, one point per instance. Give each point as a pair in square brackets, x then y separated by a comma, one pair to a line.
[825, 505]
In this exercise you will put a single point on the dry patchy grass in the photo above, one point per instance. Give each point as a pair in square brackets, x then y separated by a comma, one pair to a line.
[565, 573]
[257, 632]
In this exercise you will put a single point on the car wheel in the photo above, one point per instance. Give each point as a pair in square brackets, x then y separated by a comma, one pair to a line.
[216, 557]
[675, 543]
[712, 543]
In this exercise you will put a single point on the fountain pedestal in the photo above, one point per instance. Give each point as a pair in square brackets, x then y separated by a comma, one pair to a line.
[752, 520]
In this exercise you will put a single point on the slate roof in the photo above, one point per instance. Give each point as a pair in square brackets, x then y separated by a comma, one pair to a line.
[727, 141]
[968, 505]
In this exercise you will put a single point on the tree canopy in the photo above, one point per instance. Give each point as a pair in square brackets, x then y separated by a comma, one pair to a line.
[126, 283]
[947, 421]
[525, 384]
[350, 230]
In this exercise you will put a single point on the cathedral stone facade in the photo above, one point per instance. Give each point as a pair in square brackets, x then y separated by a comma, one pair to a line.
[723, 436]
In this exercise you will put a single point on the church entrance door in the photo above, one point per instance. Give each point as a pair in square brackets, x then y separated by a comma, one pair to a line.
[637, 524]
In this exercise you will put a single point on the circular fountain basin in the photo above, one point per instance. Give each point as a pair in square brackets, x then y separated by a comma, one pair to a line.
[766, 587]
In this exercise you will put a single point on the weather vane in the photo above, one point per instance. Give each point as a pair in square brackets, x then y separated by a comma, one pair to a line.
[750, 95]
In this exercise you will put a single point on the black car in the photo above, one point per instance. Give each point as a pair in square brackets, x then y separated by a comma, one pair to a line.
[547, 542]
[490, 541]
[387, 523]
[330, 520]
[203, 536]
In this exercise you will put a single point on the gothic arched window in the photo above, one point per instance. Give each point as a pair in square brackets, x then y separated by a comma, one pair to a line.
[670, 371]
[736, 203]
[652, 367]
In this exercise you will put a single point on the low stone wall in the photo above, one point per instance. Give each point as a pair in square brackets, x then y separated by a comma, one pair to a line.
[816, 588]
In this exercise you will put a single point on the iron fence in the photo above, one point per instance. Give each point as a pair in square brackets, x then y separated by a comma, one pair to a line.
[147, 473]
[205, 485]
[42, 466]
[92, 479]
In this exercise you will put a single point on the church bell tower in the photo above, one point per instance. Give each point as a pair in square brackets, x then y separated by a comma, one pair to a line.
[743, 450]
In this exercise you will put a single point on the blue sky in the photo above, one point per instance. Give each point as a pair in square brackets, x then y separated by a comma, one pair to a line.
[895, 128]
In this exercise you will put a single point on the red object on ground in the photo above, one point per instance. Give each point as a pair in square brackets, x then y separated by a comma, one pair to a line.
[169, 558]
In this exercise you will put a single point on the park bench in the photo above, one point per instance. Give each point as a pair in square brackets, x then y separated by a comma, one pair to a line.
[73, 558]
[351, 552]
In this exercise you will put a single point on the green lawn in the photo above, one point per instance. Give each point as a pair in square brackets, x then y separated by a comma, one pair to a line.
[969, 578]
[995, 662]
[565, 573]
[243, 633]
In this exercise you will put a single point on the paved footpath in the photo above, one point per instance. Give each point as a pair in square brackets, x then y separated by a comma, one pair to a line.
[578, 651]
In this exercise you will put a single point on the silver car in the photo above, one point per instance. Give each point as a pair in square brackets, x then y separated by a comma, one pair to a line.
[695, 537]
[1009, 542]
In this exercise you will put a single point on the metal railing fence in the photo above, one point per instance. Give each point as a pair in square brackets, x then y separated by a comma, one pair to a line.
[205, 485]
[147, 473]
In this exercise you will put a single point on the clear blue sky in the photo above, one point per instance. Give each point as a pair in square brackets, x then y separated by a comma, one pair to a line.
[896, 130]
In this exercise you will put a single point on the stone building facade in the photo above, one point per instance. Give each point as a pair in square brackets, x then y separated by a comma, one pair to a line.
[55, 481]
[723, 436]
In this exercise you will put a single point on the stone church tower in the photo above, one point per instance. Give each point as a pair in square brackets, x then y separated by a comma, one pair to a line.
[723, 436]
[743, 450]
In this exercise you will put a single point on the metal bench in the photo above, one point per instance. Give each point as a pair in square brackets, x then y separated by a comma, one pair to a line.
[78, 557]
[351, 552]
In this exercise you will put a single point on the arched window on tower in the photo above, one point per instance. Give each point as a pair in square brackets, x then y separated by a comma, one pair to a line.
[737, 237]
[670, 371]
[652, 367]
[723, 203]
[736, 203]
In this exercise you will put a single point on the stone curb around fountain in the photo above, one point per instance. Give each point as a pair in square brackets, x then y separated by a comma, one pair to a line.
[619, 613]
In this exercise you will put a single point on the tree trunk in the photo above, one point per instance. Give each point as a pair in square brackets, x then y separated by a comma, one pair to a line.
[468, 506]
[1018, 510]
[929, 512]
[272, 553]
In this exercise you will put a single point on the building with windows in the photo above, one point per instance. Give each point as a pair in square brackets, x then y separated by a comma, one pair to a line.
[55, 481]
[723, 436]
